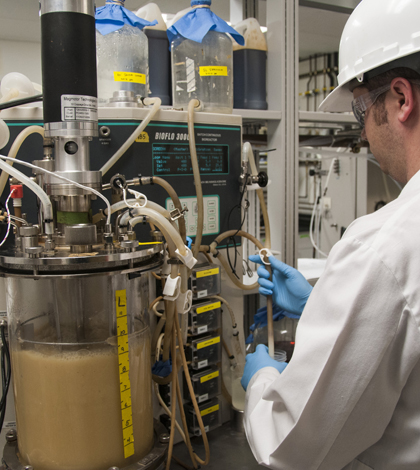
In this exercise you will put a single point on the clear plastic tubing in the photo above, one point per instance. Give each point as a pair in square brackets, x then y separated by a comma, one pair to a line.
[120, 152]
[170, 233]
[203, 71]
[46, 203]
[118, 206]
[15, 148]
[122, 58]
[150, 205]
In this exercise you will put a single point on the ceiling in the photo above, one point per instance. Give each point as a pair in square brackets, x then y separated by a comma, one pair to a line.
[319, 30]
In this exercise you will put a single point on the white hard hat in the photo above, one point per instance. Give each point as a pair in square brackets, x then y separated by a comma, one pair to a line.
[378, 36]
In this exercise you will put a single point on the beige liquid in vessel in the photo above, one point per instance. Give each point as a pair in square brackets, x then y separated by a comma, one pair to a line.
[68, 405]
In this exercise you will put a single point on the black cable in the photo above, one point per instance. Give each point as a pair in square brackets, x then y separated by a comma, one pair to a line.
[232, 238]
[6, 373]
[13, 103]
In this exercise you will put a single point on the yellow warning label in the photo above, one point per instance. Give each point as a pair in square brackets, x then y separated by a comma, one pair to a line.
[209, 342]
[208, 307]
[208, 377]
[131, 77]
[212, 70]
[212, 409]
[124, 368]
[207, 272]
[143, 137]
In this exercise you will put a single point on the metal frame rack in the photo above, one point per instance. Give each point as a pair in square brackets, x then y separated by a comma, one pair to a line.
[283, 117]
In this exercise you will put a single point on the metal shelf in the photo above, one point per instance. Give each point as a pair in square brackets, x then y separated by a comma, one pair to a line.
[258, 115]
[318, 116]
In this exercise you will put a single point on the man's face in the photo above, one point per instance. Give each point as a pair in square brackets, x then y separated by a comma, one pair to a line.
[384, 141]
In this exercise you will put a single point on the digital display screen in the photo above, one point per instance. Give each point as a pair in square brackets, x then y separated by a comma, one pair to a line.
[174, 159]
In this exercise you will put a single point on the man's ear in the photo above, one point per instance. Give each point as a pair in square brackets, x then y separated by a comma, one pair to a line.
[402, 91]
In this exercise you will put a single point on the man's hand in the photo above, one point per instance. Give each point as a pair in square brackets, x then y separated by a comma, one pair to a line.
[256, 361]
[290, 290]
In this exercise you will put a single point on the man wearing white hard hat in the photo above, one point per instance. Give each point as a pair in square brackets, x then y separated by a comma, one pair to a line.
[350, 397]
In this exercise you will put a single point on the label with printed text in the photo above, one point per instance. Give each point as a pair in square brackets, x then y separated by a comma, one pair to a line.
[212, 409]
[130, 77]
[208, 377]
[208, 307]
[207, 272]
[208, 343]
[214, 70]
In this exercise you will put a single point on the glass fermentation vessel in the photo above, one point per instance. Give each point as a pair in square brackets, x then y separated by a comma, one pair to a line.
[66, 362]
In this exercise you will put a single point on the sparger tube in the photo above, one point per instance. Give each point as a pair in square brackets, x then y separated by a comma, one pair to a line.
[15, 148]
[86, 188]
[45, 200]
[120, 152]
[197, 179]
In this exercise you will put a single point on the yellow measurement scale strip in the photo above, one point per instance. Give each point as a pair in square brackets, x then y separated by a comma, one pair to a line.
[124, 369]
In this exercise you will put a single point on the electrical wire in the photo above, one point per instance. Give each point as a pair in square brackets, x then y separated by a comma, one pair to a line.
[13, 103]
[8, 217]
[232, 238]
[63, 178]
[312, 222]
[329, 175]
[6, 373]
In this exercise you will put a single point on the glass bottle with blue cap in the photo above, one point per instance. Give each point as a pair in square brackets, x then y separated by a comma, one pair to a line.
[122, 54]
[202, 64]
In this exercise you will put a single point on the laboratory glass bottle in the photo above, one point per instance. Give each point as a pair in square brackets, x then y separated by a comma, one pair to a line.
[203, 71]
[122, 60]
[249, 67]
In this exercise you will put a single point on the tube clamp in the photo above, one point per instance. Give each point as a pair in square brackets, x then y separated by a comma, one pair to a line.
[184, 302]
[265, 252]
[188, 259]
[172, 288]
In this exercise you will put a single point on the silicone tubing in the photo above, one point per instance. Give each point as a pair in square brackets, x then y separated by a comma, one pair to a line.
[172, 236]
[45, 200]
[15, 148]
[129, 142]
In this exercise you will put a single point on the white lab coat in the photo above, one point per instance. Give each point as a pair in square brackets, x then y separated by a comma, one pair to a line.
[350, 397]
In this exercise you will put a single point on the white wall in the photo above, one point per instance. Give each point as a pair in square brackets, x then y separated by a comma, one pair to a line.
[21, 56]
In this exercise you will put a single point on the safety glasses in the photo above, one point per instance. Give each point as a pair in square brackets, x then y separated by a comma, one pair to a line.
[363, 102]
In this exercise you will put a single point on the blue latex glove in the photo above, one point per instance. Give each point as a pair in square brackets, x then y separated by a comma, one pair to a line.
[290, 290]
[162, 369]
[256, 361]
